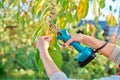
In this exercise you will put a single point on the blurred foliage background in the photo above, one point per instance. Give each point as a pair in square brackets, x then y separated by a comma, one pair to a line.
[22, 21]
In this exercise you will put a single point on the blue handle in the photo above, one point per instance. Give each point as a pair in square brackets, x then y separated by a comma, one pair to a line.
[65, 37]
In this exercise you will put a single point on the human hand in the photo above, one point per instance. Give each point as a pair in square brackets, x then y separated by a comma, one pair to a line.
[76, 37]
[43, 43]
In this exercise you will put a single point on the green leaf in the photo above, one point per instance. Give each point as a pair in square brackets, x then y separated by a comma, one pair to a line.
[110, 8]
[87, 7]
[43, 12]
[39, 61]
[69, 17]
[39, 6]
[55, 53]
[36, 33]
[102, 3]
[2, 4]
[64, 4]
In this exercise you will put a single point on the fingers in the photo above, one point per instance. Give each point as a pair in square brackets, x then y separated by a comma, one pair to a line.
[43, 36]
[47, 38]
[68, 42]
[63, 47]
[72, 47]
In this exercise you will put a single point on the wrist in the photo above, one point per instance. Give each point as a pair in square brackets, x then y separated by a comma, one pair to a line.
[43, 51]
[93, 42]
[87, 39]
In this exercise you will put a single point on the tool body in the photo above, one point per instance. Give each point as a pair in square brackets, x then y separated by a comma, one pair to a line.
[85, 54]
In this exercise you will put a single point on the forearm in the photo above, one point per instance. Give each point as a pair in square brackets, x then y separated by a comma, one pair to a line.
[48, 63]
[95, 43]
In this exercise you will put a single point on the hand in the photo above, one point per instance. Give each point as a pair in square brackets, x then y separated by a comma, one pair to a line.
[76, 37]
[43, 42]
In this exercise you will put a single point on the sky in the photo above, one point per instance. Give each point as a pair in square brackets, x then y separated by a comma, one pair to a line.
[105, 10]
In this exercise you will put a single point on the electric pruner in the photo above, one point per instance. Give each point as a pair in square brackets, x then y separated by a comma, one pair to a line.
[85, 54]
